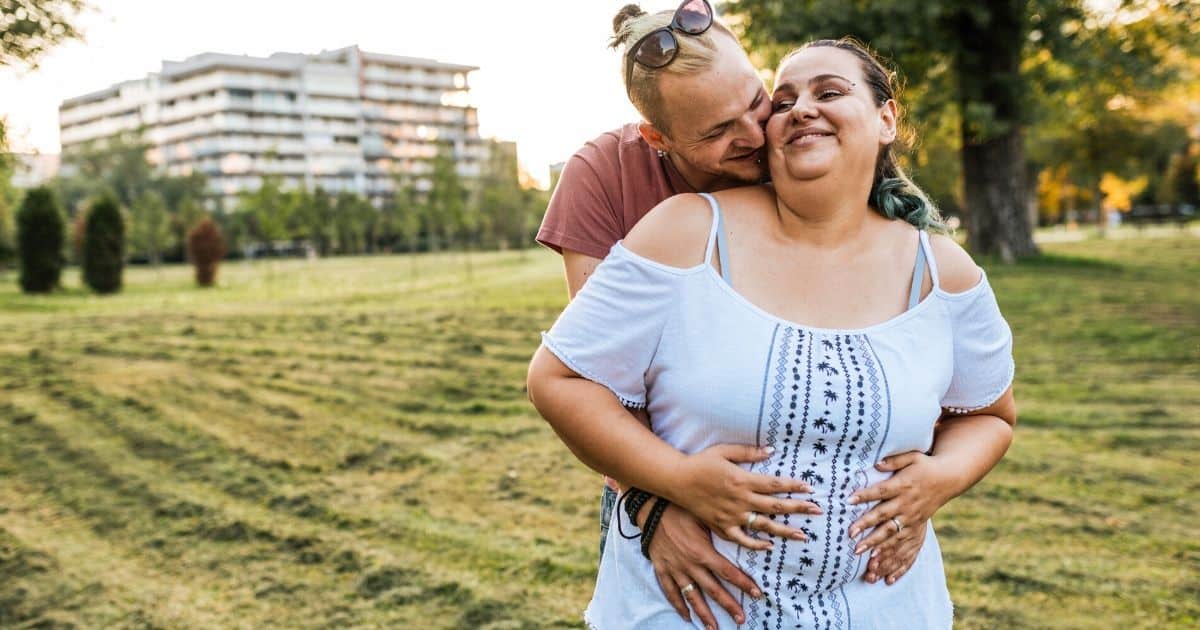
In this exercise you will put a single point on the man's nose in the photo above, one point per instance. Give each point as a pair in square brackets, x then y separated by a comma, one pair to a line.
[753, 134]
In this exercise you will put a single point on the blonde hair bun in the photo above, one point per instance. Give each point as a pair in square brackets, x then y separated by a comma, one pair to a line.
[627, 12]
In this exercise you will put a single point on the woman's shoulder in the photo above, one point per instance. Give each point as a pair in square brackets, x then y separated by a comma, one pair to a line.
[674, 233]
[957, 271]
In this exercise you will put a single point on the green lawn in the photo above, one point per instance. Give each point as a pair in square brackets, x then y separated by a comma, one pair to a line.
[347, 443]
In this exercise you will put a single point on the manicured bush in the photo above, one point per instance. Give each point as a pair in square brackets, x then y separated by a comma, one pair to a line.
[104, 246]
[40, 236]
[206, 248]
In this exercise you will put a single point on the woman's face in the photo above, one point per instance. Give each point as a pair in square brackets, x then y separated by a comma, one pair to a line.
[824, 119]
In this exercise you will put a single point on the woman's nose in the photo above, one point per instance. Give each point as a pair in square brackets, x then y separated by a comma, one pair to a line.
[804, 109]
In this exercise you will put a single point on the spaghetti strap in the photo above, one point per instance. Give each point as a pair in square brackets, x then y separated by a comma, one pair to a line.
[717, 239]
[914, 294]
[930, 261]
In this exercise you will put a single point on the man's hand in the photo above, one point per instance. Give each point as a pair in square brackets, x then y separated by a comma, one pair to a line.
[682, 553]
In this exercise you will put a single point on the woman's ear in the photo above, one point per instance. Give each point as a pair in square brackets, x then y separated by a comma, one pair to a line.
[887, 123]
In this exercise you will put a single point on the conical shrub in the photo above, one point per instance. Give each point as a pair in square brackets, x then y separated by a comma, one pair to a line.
[40, 236]
[104, 246]
[206, 248]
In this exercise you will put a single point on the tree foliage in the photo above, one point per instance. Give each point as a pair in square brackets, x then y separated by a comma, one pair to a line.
[9, 198]
[151, 225]
[981, 64]
[40, 236]
[104, 246]
[29, 28]
[162, 207]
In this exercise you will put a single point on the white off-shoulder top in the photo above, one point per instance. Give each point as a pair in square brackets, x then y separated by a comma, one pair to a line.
[714, 368]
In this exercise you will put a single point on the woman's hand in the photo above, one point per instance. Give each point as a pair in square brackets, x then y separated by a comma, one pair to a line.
[712, 486]
[893, 559]
[920, 486]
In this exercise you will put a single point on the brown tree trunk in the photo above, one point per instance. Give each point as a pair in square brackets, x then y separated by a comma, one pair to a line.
[995, 187]
[993, 150]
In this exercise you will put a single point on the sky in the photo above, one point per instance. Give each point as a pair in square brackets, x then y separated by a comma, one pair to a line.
[547, 78]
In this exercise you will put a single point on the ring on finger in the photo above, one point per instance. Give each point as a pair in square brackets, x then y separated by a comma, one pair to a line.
[687, 590]
[899, 525]
[750, 518]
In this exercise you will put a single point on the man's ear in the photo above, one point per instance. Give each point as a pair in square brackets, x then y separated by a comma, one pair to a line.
[887, 123]
[654, 137]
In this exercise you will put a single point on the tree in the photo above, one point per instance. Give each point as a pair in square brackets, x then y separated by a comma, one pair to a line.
[40, 236]
[353, 217]
[104, 246]
[206, 248]
[9, 198]
[118, 167]
[449, 216]
[314, 217]
[29, 28]
[151, 226]
[268, 211]
[967, 56]
[503, 206]
[408, 210]
[1095, 109]
[1181, 184]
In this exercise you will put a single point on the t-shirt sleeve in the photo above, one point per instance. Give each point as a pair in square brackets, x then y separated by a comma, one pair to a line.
[610, 332]
[983, 360]
[581, 216]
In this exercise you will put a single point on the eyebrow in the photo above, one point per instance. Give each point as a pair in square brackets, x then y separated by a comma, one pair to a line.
[725, 123]
[816, 79]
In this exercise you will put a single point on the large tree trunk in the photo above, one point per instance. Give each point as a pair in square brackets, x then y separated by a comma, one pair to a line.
[997, 217]
[993, 150]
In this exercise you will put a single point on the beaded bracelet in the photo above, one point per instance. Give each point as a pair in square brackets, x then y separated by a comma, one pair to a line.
[635, 499]
[656, 512]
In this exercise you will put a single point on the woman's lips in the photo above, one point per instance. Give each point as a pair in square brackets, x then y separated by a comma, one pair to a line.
[808, 136]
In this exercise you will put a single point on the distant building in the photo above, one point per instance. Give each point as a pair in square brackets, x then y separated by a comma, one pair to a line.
[33, 169]
[343, 120]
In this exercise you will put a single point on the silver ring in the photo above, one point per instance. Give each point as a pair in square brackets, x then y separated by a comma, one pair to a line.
[753, 516]
[685, 591]
[899, 525]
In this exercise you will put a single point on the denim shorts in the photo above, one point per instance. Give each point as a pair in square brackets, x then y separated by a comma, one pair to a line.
[608, 502]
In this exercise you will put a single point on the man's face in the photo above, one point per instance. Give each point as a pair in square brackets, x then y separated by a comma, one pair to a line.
[717, 117]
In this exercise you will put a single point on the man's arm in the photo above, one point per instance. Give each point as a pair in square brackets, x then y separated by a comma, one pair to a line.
[579, 268]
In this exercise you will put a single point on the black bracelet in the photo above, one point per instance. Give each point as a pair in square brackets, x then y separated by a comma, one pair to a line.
[635, 499]
[656, 512]
[632, 494]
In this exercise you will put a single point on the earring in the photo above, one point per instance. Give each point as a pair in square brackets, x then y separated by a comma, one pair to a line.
[662, 153]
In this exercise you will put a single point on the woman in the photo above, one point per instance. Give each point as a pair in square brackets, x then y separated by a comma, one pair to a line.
[814, 318]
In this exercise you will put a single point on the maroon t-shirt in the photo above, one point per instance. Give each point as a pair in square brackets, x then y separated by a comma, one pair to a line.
[604, 190]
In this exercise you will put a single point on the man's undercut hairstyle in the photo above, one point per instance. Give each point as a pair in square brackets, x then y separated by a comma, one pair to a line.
[695, 55]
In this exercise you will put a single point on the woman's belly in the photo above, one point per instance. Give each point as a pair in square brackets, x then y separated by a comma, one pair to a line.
[793, 570]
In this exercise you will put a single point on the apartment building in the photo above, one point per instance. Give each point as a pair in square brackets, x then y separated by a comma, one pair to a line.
[343, 120]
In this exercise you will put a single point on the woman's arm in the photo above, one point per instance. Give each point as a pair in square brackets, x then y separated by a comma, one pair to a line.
[965, 450]
[606, 437]
[966, 447]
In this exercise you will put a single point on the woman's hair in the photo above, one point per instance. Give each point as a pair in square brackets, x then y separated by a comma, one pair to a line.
[893, 194]
[695, 54]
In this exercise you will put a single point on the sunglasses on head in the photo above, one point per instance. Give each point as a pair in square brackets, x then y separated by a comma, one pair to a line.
[659, 47]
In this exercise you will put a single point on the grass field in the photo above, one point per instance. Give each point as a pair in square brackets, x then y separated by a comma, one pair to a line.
[347, 443]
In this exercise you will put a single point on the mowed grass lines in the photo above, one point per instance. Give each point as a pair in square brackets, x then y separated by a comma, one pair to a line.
[347, 443]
